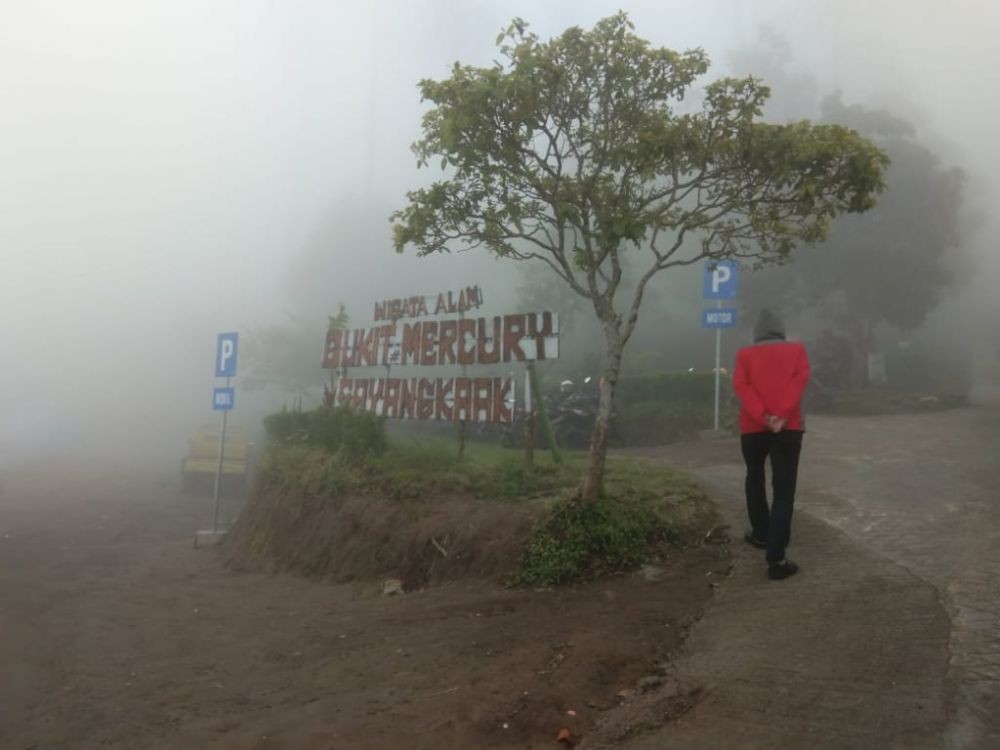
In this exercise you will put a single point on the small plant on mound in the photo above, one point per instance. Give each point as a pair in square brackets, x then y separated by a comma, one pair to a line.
[578, 541]
[645, 507]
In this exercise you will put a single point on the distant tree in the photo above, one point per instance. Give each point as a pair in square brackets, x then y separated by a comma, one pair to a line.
[794, 93]
[575, 152]
[287, 356]
[889, 265]
[892, 264]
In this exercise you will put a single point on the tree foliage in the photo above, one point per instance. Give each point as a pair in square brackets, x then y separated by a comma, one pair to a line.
[891, 264]
[285, 355]
[582, 152]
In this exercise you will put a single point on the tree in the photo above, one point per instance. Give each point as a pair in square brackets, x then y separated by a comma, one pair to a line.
[891, 264]
[575, 152]
[794, 92]
[286, 355]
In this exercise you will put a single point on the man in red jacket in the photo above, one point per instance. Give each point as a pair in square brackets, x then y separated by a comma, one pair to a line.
[769, 380]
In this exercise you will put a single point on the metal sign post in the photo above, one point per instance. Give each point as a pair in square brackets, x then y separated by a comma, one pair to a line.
[222, 401]
[721, 282]
[718, 366]
[226, 349]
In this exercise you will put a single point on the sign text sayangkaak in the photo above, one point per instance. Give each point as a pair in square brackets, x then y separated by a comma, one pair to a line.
[450, 399]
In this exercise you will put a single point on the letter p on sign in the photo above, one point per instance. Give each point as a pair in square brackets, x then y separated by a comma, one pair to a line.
[226, 350]
[721, 279]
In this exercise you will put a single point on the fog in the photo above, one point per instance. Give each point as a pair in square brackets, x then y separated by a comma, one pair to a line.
[174, 169]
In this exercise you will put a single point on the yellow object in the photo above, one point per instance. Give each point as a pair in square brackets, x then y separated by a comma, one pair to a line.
[203, 452]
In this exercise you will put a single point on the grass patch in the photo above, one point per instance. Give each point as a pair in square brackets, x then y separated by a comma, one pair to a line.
[415, 469]
[337, 429]
[663, 422]
[882, 401]
[576, 542]
[421, 468]
[644, 507]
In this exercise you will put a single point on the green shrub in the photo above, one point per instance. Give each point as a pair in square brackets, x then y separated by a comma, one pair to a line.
[917, 372]
[688, 387]
[350, 431]
[872, 401]
[287, 426]
[337, 429]
[658, 423]
[577, 541]
[297, 466]
[419, 468]
[507, 478]
[661, 409]
[416, 468]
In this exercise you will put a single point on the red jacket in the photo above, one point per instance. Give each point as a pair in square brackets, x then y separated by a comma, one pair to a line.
[770, 378]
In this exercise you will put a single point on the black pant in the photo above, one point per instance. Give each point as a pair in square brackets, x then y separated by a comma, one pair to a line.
[774, 525]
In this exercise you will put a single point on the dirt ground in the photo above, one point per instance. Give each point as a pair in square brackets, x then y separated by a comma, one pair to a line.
[116, 632]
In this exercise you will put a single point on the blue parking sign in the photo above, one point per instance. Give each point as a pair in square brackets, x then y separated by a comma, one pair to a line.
[722, 279]
[226, 349]
[223, 399]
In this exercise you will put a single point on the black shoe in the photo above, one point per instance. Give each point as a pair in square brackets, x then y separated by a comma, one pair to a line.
[780, 570]
[753, 541]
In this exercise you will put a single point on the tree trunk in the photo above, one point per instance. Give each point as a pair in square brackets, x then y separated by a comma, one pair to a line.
[863, 340]
[529, 439]
[593, 484]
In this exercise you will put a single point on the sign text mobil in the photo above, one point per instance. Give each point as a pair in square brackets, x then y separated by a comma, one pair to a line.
[223, 399]
[722, 279]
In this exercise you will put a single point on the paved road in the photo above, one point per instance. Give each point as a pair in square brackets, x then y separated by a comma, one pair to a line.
[919, 491]
[923, 491]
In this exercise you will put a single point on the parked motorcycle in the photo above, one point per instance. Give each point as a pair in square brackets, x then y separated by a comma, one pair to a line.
[572, 412]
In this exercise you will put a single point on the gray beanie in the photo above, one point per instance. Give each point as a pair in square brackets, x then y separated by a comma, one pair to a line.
[768, 327]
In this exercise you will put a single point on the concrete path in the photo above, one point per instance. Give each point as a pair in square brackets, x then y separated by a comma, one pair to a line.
[851, 653]
[924, 491]
[890, 636]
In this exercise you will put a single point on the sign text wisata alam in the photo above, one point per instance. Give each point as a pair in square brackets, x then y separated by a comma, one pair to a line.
[457, 341]
[445, 303]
